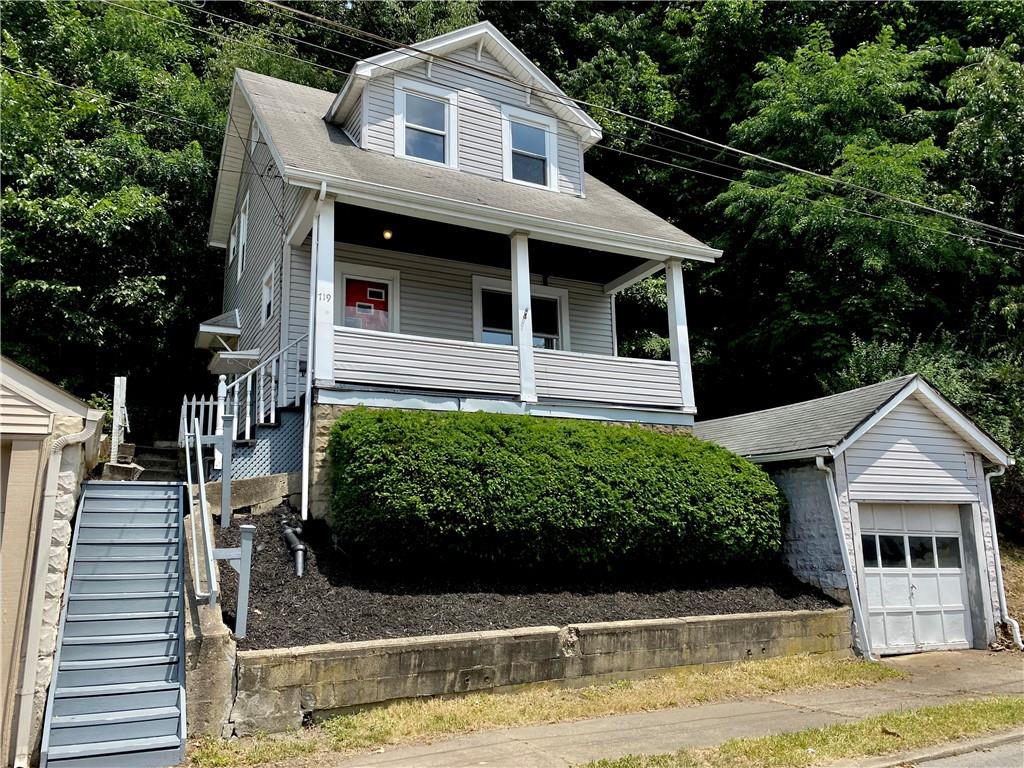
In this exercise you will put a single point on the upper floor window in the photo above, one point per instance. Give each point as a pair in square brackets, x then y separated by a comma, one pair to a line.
[530, 148]
[425, 124]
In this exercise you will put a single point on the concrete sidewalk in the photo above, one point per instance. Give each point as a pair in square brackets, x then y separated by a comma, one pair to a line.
[935, 678]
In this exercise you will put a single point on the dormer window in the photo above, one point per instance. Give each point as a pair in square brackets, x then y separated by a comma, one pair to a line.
[425, 124]
[530, 148]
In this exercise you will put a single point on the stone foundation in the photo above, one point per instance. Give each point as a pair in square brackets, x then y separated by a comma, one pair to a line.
[277, 688]
[324, 417]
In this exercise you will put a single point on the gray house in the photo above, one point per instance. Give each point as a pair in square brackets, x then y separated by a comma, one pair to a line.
[428, 238]
[890, 509]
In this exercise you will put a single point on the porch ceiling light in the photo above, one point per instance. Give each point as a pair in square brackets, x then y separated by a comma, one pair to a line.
[387, 234]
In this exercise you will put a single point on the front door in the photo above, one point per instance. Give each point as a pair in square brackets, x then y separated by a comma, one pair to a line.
[915, 584]
[367, 304]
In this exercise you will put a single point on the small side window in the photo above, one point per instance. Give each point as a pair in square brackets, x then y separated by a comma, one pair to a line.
[243, 234]
[267, 303]
[530, 148]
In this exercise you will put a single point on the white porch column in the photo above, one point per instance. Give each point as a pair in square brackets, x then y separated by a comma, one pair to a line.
[679, 338]
[522, 316]
[323, 296]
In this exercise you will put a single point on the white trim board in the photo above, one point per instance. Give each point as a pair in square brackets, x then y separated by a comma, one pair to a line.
[481, 283]
[447, 402]
[943, 409]
[419, 205]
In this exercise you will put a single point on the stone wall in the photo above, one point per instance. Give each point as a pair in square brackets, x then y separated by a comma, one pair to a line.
[325, 415]
[810, 543]
[277, 688]
[72, 472]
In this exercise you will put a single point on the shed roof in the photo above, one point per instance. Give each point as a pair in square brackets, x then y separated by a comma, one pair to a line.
[310, 150]
[827, 425]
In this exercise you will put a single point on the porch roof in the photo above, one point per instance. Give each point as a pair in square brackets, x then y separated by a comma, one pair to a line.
[310, 151]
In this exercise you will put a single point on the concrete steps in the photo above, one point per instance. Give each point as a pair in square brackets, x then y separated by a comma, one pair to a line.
[118, 694]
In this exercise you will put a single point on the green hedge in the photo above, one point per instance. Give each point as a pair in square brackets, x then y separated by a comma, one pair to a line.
[451, 490]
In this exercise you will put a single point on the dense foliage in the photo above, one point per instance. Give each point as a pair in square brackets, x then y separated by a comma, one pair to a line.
[106, 191]
[449, 490]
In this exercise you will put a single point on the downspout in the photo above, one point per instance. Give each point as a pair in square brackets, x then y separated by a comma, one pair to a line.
[26, 691]
[851, 581]
[1007, 619]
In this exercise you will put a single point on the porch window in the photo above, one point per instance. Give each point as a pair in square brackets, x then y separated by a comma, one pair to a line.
[425, 123]
[530, 143]
[493, 314]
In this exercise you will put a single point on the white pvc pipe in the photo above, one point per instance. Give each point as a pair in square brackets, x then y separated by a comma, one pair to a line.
[26, 692]
[1004, 612]
[851, 580]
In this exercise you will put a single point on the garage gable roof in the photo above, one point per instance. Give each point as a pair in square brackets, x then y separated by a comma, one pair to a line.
[827, 426]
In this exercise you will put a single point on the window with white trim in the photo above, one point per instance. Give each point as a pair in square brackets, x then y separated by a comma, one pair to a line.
[242, 229]
[267, 302]
[366, 297]
[529, 148]
[492, 314]
[425, 123]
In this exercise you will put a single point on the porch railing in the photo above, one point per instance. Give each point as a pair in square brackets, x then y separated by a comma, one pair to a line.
[253, 398]
[398, 360]
[239, 558]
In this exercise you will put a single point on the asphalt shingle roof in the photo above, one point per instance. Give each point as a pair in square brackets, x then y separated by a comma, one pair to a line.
[293, 115]
[819, 423]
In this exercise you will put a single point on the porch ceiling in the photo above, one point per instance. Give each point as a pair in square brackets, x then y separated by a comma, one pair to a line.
[365, 226]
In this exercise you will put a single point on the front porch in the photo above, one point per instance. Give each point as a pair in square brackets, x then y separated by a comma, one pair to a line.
[476, 320]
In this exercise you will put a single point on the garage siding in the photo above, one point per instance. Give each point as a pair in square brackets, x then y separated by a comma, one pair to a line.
[911, 455]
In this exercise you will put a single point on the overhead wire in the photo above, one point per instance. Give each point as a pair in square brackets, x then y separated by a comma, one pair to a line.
[393, 45]
[687, 169]
[163, 115]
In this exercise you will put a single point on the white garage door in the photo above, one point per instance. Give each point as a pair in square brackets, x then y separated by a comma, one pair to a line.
[915, 585]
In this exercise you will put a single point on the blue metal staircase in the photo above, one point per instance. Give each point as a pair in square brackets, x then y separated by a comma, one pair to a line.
[117, 697]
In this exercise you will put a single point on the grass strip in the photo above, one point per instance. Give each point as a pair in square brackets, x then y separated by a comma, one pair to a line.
[428, 719]
[881, 735]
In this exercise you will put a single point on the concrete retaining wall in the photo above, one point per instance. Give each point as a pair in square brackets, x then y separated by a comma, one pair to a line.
[277, 688]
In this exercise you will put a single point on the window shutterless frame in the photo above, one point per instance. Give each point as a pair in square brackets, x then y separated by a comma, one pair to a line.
[549, 125]
[243, 235]
[405, 120]
[267, 297]
[481, 283]
[344, 271]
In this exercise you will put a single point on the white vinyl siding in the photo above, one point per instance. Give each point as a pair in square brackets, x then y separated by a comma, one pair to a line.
[20, 416]
[399, 360]
[263, 252]
[353, 126]
[911, 455]
[480, 99]
[437, 298]
[622, 380]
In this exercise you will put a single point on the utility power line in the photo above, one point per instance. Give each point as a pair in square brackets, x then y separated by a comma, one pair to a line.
[393, 45]
[686, 169]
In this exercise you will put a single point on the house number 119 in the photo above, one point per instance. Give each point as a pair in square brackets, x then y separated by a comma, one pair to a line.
[323, 297]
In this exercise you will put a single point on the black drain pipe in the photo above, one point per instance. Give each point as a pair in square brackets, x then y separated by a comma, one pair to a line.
[291, 536]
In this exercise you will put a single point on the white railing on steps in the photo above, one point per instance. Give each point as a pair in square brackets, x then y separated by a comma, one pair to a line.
[253, 398]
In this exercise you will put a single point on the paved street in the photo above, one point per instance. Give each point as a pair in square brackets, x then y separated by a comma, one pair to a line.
[1005, 756]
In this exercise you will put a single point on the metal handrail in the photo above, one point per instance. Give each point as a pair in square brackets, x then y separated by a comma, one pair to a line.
[204, 513]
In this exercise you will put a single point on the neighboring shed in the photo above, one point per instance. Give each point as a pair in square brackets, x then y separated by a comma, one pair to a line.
[905, 474]
[48, 440]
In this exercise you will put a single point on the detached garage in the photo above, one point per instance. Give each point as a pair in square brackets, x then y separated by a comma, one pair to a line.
[890, 510]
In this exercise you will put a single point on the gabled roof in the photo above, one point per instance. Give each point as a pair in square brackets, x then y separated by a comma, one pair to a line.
[483, 34]
[43, 393]
[316, 154]
[827, 426]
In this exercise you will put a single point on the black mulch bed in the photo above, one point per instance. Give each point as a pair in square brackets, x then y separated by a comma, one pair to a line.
[328, 605]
